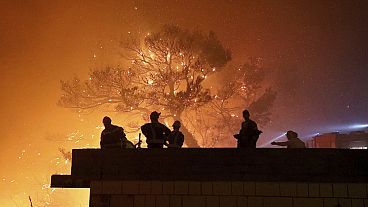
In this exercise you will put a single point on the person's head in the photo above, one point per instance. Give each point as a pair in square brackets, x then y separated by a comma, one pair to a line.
[291, 134]
[246, 114]
[154, 116]
[176, 125]
[106, 121]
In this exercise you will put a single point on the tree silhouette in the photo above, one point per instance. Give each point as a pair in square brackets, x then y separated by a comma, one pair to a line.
[167, 72]
[217, 121]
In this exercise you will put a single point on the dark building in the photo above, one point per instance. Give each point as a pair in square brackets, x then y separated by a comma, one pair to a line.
[220, 177]
[352, 140]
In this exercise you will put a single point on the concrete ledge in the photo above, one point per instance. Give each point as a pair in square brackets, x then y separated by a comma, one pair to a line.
[228, 164]
[69, 181]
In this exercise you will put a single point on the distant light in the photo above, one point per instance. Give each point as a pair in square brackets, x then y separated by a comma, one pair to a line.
[273, 139]
[312, 135]
[358, 147]
[358, 126]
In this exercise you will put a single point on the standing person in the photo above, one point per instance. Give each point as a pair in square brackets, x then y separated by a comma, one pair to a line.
[112, 136]
[176, 138]
[293, 141]
[249, 133]
[155, 132]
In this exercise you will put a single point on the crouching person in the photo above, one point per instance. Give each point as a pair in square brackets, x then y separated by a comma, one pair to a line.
[112, 137]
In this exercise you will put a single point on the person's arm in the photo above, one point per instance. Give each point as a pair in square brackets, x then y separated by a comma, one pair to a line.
[241, 131]
[166, 131]
[255, 127]
[166, 140]
[144, 129]
[122, 135]
[101, 140]
[280, 143]
[181, 139]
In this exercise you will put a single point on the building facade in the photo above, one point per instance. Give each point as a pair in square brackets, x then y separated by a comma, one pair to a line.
[351, 140]
[220, 177]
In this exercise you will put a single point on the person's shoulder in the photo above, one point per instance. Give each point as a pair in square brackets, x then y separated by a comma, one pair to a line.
[301, 141]
[162, 125]
[145, 125]
[116, 127]
[103, 132]
[252, 122]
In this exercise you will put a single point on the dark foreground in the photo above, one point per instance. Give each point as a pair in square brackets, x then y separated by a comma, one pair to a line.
[221, 164]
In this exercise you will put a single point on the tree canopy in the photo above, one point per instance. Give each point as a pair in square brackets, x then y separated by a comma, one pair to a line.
[169, 71]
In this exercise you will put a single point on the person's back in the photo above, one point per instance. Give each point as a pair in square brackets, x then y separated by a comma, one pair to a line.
[155, 132]
[175, 138]
[295, 143]
[292, 142]
[112, 136]
[249, 133]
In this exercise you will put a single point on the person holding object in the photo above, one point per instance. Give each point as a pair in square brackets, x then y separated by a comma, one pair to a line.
[293, 141]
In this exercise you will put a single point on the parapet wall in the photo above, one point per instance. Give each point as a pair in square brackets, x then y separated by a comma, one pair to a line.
[309, 165]
[220, 177]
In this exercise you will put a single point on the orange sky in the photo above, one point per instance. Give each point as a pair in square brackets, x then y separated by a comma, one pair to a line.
[43, 42]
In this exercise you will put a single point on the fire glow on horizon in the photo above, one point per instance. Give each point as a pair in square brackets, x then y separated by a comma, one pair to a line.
[321, 81]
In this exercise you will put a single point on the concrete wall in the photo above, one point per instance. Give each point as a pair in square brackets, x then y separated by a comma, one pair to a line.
[312, 165]
[226, 194]
[220, 177]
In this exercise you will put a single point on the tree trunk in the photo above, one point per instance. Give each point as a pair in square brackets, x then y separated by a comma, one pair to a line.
[189, 139]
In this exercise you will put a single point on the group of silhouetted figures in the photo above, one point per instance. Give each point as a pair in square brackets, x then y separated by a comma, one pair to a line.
[158, 135]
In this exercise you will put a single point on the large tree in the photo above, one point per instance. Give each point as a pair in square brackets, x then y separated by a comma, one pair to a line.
[168, 71]
[218, 120]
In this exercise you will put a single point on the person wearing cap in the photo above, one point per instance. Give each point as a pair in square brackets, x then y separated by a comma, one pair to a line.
[249, 133]
[293, 141]
[155, 132]
[112, 137]
[176, 138]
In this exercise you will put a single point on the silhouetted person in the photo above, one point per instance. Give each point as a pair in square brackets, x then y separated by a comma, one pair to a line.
[112, 136]
[249, 133]
[293, 141]
[155, 132]
[176, 138]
